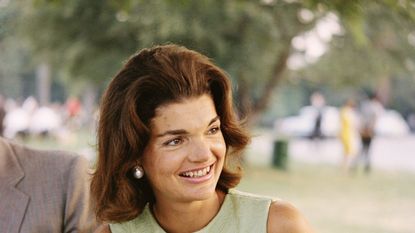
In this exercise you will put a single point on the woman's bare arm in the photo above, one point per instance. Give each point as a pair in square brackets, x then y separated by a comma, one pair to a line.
[104, 228]
[284, 217]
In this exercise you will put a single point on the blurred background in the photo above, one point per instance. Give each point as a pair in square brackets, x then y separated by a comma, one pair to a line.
[302, 72]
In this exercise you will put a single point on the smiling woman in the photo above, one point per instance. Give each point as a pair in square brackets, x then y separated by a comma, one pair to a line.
[167, 133]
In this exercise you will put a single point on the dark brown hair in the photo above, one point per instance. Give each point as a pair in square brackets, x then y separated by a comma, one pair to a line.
[151, 78]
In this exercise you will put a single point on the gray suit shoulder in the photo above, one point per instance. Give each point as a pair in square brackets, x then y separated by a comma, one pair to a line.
[56, 160]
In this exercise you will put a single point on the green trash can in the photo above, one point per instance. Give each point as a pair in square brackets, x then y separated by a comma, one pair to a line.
[280, 154]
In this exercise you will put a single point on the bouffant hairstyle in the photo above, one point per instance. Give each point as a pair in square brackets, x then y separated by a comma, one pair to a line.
[152, 78]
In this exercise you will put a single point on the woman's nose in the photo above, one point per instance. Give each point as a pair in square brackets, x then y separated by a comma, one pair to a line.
[200, 151]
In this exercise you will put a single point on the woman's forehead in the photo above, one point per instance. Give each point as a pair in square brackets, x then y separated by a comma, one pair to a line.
[194, 112]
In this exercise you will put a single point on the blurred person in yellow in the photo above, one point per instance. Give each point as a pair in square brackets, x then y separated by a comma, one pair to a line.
[348, 132]
[43, 191]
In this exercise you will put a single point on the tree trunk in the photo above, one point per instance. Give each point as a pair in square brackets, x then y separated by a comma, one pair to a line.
[43, 84]
[259, 106]
[243, 99]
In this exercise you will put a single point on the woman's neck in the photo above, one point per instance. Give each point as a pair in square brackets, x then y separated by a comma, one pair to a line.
[187, 217]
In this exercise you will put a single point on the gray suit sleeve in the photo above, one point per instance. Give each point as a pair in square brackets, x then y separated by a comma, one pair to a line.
[79, 215]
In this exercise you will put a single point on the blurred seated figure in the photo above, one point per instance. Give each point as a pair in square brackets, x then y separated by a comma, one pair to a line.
[45, 121]
[43, 191]
[16, 123]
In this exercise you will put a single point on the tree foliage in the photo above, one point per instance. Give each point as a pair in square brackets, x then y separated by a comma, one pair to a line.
[387, 49]
[250, 39]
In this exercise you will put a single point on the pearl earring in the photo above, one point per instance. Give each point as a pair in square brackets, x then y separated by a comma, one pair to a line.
[138, 172]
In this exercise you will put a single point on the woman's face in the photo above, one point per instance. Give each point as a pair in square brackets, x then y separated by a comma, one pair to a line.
[185, 155]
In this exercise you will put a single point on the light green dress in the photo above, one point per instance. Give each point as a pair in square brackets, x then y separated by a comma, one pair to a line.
[240, 212]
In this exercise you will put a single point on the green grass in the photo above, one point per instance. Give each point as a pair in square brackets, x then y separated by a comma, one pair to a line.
[332, 201]
[336, 202]
[69, 141]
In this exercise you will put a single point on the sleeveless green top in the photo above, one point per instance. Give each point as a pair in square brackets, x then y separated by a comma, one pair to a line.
[240, 212]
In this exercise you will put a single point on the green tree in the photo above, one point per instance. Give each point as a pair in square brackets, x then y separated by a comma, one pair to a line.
[251, 40]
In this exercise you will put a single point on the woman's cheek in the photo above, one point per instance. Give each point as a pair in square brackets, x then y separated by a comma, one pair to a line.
[219, 147]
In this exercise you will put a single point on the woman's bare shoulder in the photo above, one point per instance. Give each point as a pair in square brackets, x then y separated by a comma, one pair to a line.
[104, 228]
[284, 217]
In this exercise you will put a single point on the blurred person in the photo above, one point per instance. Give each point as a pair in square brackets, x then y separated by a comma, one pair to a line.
[349, 133]
[411, 121]
[317, 101]
[43, 191]
[370, 111]
[2, 114]
[73, 107]
[73, 110]
[16, 122]
[166, 127]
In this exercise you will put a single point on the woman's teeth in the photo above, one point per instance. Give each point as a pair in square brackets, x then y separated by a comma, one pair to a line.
[197, 173]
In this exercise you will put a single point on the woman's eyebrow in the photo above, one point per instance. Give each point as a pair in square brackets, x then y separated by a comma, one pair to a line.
[173, 132]
[182, 131]
[213, 120]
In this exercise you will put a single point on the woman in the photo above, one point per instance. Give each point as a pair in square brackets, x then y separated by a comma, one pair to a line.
[167, 138]
[348, 132]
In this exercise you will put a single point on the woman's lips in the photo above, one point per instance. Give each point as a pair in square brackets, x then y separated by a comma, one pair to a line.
[197, 173]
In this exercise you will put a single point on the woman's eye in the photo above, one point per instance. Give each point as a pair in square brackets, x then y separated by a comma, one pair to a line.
[174, 142]
[214, 130]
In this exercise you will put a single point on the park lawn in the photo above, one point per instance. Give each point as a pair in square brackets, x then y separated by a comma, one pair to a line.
[332, 201]
[336, 202]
